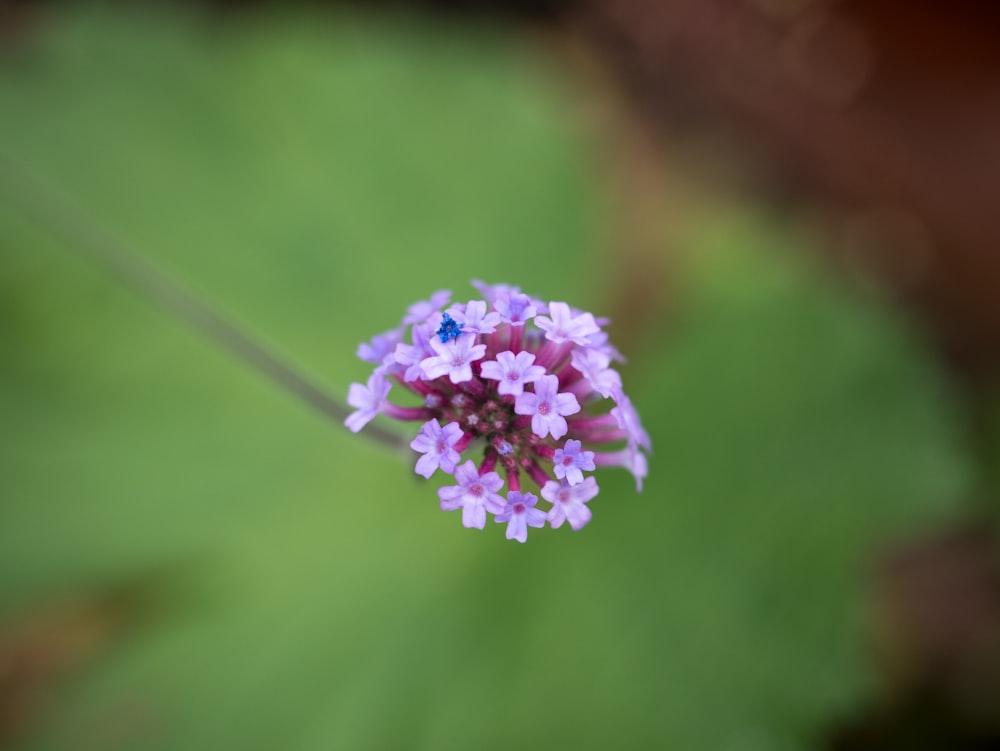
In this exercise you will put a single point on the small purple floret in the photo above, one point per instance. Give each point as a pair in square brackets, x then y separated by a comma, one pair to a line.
[436, 444]
[570, 462]
[410, 356]
[628, 420]
[564, 326]
[475, 494]
[516, 309]
[421, 311]
[380, 346]
[593, 365]
[493, 291]
[474, 318]
[453, 359]
[366, 400]
[512, 371]
[569, 502]
[520, 513]
[547, 407]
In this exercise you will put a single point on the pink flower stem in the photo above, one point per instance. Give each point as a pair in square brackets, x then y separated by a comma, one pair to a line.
[521, 422]
[489, 462]
[569, 376]
[546, 452]
[417, 387]
[408, 413]
[513, 479]
[580, 388]
[497, 342]
[553, 354]
[602, 436]
[593, 423]
[474, 387]
[537, 473]
[516, 338]
[614, 459]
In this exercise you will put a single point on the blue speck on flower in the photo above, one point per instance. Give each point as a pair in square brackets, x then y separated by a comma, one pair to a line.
[449, 329]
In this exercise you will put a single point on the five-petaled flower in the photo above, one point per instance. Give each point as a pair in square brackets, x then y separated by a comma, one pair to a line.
[453, 358]
[570, 462]
[437, 445]
[547, 407]
[366, 400]
[512, 371]
[515, 308]
[569, 502]
[474, 318]
[593, 364]
[475, 494]
[520, 513]
[564, 326]
[526, 383]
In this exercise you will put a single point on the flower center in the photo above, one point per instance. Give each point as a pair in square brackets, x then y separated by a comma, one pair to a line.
[476, 490]
[518, 508]
[544, 408]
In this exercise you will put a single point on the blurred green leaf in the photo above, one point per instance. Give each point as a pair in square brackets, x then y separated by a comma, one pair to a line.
[314, 176]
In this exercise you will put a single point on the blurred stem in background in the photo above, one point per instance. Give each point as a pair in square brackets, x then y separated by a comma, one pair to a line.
[44, 206]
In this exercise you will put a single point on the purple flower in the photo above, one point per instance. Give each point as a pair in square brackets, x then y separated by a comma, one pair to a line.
[515, 308]
[520, 513]
[453, 358]
[380, 346]
[593, 364]
[599, 341]
[492, 291]
[547, 407]
[475, 319]
[436, 444]
[512, 371]
[410, 356]
[564, 326]
[628, 420]
[475, 494]
[382, 350]
[570, 462]
[367, 401]
[637, 465]
[569, 502]
[630, 457]
[490, 370]
[421, 311]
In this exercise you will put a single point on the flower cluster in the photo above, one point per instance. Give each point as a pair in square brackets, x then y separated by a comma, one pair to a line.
[511, 374]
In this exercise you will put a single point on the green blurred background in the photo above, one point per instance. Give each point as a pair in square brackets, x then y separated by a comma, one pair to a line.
[190, 559]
